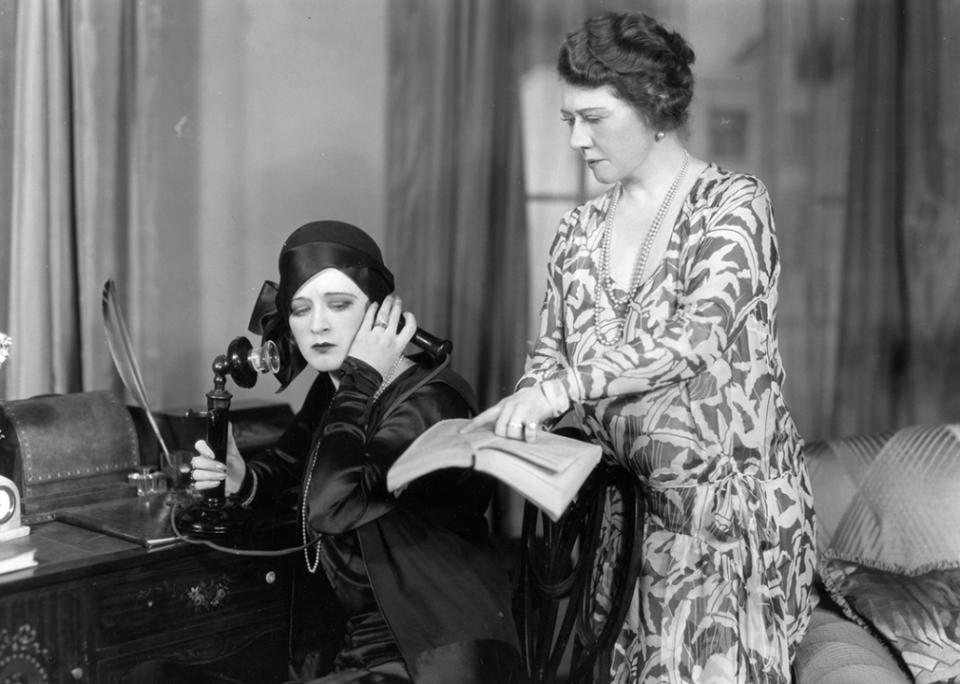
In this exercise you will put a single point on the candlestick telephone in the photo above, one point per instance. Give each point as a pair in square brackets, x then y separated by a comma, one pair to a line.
[215, 513]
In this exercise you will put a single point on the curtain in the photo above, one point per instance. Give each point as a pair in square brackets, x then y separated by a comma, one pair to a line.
[803, 117]
[77, 186]
[931, 208]
[900, 325]
[456, 233]
[874, 339]
[43, 307]
[8, 34]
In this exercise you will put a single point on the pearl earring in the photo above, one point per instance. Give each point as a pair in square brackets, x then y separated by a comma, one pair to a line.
[660, 136]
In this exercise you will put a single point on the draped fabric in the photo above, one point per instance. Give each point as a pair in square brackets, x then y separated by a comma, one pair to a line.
[900, 322]
[77, 185]
[42, 297]
[931, 208]
[804, 124]
[8, 33]
[873, 334]
[456, 227]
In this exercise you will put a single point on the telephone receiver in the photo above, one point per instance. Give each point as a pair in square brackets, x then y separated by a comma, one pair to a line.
[437, 348]
[244, 362]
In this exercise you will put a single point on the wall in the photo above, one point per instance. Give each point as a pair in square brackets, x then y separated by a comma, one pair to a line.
[271, 115]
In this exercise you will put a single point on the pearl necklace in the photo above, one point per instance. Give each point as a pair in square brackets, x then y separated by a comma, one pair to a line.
[605, 282]
[305, 494]
[312, 566]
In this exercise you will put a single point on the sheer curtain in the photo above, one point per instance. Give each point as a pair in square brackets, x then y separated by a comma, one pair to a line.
[77, 182]
[874, 337]
[456, 227]
[804, 115]
[8, 35]
[901, 326]
[931, 208]
[43, 307]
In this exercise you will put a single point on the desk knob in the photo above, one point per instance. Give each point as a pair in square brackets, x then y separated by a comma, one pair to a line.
[77, 673]
[270, 577]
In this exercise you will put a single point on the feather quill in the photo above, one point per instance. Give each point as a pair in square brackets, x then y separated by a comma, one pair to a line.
[124, 358]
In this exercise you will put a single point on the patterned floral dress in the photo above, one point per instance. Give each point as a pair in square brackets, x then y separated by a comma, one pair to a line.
[691, 402]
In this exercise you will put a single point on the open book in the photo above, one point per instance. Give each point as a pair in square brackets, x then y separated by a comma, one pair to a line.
[548, 472]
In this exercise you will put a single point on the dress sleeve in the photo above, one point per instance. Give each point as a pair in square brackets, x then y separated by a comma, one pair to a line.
[279, 468]
[734, 267]
[348, 484]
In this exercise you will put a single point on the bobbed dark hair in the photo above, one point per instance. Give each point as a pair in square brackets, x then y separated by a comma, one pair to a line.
[647, 65]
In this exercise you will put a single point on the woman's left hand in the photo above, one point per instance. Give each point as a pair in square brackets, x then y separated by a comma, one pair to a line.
[518, 416]
[378, 343]
[206, 472]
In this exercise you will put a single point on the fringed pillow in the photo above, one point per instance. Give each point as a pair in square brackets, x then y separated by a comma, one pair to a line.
[916, 612]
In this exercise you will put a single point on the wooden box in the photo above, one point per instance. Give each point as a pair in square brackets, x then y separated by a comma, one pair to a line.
[67, 450]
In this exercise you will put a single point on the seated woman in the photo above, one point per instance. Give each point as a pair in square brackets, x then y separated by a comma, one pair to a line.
[424, 595]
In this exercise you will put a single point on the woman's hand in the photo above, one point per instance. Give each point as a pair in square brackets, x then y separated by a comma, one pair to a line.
[207, 473]
[378, 343]
[518, 416]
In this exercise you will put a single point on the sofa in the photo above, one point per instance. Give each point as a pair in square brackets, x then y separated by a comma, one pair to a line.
[888, 533]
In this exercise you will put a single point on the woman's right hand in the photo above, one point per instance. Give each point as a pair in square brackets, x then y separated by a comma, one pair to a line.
[378, 343]
[518, 416]
[207, 472]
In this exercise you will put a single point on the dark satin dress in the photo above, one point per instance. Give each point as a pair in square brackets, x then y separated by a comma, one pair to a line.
[410, 586]
[367, 640]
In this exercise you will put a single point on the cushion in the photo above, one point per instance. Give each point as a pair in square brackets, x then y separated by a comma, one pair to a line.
[836, 468]
[836, 650]
[890, 497]
[916, 612]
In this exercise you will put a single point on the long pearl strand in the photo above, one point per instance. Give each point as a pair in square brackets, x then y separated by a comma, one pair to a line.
[605, 282]
[312, 565]
[305, 494]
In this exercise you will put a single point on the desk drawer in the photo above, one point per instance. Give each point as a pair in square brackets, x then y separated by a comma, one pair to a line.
[42, 636]
[213, 591]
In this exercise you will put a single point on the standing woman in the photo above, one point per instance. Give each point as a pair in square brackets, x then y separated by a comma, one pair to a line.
[658, 331]
[424, 595]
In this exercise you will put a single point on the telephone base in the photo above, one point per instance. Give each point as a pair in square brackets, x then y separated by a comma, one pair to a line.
[213, 518]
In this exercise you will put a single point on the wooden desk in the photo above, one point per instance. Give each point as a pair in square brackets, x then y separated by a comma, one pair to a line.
[100, 609]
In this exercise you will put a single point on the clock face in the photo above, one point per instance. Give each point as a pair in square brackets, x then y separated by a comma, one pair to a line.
[8, 502]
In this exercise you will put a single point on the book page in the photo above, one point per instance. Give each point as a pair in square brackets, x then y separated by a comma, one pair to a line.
[441, 446]
[552, 492]
[548, 472]
[550, 451]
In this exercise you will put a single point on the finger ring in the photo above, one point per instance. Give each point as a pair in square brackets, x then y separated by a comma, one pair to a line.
[530, 432]
[515, 426]
[380, 324]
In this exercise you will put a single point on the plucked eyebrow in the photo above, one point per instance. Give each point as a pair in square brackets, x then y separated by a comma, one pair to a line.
[585, 112]
[327, 294]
